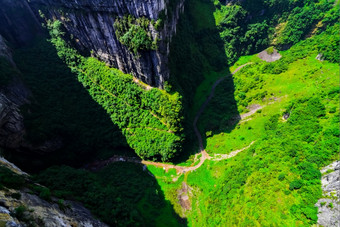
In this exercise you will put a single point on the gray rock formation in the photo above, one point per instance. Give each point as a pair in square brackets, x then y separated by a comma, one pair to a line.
[38, 211]
[90, 22]
[11, 124]
[329, 204]
[269, 57]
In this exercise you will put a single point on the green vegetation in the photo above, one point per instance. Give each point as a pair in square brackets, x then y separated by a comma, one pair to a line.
[10, 179]
[135, 33]
[248, 27]
[282, 167]
[296, 133]
[150, 120]
[270, 50]
[121, 194]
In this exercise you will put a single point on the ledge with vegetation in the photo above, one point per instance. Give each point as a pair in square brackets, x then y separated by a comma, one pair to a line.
[150, 119]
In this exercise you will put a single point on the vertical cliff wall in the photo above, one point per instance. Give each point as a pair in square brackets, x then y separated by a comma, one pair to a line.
[91, 23]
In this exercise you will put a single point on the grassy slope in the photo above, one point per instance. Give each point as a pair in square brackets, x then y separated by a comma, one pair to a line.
[247, 189]
[303, 77]
[259, 190]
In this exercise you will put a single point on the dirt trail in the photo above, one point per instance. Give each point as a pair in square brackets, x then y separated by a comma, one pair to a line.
[219, 157]
[205, 104]
[180, 169]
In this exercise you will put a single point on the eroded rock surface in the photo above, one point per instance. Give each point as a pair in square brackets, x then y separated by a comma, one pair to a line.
[11, 124]
[329, 204]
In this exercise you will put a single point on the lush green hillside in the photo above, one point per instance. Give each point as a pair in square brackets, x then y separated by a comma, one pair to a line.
[289, 109]
[279, 175]
[150, 118]
[247, 27]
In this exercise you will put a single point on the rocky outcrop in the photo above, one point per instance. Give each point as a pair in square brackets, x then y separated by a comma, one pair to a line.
[90, 22]
[11, 124]
[329, 204]
[42, 213]
[22, 207]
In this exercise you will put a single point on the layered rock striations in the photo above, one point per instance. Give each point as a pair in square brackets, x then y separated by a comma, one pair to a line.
[91, 23]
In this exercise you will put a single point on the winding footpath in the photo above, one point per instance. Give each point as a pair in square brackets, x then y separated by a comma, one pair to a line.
[180, 169]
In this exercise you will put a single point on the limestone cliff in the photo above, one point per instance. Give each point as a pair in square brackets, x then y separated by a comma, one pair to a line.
[91, 22]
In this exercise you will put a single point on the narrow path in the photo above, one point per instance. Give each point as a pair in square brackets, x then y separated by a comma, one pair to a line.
[180, 169]
[219, 157]
[205, 104]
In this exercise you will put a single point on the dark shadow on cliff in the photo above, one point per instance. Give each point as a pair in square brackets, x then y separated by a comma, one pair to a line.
[63, 123]
[197, 55]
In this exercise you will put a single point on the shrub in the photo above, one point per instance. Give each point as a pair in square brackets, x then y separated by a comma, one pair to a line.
[270, 50]
[295, 184]
[10, 179]
[135, 34]
[45, 194]
[281, 177]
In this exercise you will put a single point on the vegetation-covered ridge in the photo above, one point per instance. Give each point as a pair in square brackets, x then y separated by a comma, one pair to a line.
[136, 33]
[247, 27]
[150, 119]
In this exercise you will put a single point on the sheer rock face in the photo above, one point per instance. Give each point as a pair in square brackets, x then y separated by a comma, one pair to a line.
[90, 22]
[11, 97]
[329, 204]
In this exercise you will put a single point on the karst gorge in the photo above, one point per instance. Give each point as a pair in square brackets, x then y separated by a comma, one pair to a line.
[169, 113]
